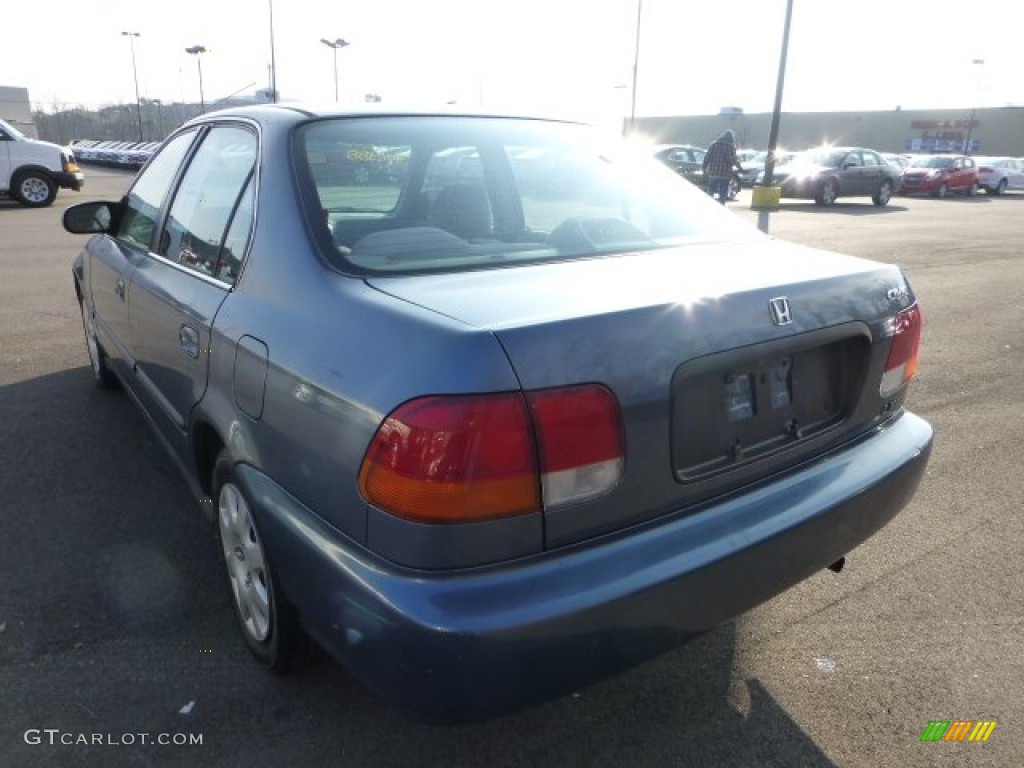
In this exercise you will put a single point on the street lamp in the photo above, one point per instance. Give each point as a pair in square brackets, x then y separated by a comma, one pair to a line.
[138, 102]
[196, 50]
[335, 45]
[970, 125]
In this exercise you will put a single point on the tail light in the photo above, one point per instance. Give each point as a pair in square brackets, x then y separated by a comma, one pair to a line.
[579, 438]
[478, 457]
[901, 365]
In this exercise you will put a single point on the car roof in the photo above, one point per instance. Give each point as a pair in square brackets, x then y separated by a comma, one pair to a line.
[301, 111]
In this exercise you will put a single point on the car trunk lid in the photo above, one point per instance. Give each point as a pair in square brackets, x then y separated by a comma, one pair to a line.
[729, 362]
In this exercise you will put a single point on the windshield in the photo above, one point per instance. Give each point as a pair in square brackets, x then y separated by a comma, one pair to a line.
[827, 158]
[448, 193]
[10, 130]
[936, 161]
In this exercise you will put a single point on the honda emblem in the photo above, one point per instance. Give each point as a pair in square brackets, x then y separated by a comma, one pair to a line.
[781, 312]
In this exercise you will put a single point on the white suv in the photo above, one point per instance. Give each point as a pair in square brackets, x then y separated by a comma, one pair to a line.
[31, 171]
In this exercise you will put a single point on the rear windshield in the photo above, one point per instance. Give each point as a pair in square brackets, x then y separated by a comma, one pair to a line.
[400, 194]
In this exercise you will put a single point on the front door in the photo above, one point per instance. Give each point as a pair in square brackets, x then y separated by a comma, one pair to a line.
[113, 259]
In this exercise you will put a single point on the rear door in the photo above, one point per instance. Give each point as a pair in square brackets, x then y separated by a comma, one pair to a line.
[5, 161]
[178, 289]
[1015, 174]
[962, 175]
[851, 175]
[875, 171]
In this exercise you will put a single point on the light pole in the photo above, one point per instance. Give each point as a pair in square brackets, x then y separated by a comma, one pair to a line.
[196, 50]
[970, 125]
[636, 65]
[135, 72]
[273, 62]
[773, 131]
[335, 45]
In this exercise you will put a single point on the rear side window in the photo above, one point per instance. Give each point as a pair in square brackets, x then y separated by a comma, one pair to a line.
[142, 206]
[206, 202]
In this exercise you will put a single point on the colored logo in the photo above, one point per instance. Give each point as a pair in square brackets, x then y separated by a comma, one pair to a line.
[958, 730]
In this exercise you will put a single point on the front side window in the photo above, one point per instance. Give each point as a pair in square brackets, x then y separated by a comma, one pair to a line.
[206, 201]
[141, 209]
[453, 193]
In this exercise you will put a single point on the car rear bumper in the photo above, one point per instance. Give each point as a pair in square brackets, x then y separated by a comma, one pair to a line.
[451, 646]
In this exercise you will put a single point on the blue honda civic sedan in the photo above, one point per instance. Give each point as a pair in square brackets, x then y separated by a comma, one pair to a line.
[491, 407]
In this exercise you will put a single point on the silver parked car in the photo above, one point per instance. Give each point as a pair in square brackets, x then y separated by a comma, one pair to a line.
[997, 175]
[492, 407]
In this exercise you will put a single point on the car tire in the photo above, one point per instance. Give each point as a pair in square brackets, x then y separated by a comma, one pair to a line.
[883, 195]
[827, 193]
[268, 621]
[103, 377]
[973, 189]
[34, 189]
[999, 189]
[942, 191]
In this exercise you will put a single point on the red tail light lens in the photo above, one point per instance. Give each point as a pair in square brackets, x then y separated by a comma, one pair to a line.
[478, 457]
[901, 365]
[454, 459]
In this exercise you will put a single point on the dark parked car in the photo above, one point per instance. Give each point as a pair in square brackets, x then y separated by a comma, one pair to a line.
[828, 173]
[486, 443]
[753, 165]
[688, 162]
[940, 175]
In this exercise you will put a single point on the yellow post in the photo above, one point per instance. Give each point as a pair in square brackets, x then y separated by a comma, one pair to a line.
[765, 198]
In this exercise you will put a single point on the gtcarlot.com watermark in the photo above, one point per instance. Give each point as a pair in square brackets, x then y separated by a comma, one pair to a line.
[56, 737]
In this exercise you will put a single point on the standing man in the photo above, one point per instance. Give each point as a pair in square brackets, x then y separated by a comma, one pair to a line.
[718, 164]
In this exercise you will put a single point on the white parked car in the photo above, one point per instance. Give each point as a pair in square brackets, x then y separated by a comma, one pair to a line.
[998, 174]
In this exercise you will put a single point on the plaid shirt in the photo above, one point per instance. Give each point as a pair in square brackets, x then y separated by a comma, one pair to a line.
[720, 160]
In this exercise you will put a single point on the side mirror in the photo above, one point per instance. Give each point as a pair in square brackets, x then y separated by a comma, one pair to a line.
[90, 218]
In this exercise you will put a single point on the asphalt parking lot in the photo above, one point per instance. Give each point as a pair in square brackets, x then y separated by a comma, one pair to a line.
[115, 620]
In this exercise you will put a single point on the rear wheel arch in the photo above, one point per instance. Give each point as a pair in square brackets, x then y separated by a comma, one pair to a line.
[207, 445]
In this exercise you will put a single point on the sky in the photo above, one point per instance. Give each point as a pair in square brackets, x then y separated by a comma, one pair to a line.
[567, 57]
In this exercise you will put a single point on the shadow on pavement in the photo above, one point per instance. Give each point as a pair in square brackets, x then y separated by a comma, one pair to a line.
[115, 619]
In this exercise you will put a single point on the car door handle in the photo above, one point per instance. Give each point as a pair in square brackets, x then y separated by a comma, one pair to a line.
[119, 288]
[188, 337]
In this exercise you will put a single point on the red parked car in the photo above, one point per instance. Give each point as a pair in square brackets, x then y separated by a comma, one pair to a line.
[940, 175]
